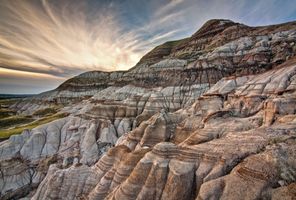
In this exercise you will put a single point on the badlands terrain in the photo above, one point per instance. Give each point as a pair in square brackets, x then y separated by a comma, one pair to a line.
[212, 116]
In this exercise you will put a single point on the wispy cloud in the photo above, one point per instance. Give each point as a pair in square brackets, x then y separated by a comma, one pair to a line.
[61, 38]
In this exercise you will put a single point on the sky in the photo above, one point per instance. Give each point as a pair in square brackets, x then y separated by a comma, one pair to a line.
[45, 42]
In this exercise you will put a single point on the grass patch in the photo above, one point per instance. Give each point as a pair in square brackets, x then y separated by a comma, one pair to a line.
[6, 133]
[174, 43]
[14, 120]
[4, 112]
[45, 111]
[7, 102]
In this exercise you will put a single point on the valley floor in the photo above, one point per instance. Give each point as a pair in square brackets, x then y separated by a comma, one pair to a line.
[12, 123]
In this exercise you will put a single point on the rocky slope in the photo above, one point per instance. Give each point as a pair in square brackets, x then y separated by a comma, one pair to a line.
[212, 116]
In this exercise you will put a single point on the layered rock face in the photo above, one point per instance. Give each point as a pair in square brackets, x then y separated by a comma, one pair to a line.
[227, 148]
[172, 127]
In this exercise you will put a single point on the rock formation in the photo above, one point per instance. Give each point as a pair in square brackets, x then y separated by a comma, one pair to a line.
[212, 116]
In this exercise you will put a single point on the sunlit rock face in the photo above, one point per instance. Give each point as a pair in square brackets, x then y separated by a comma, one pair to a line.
[212, 125]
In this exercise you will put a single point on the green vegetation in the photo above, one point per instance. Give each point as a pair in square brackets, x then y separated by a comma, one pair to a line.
[5, 133]
[11, 123]
[4, 103]
[4, 112]
[14, 120]
[174, 43]
[45, 112]
[184, 55]
[15, 96]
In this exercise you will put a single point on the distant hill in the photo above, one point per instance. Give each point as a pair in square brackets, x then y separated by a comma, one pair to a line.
[12, 96]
